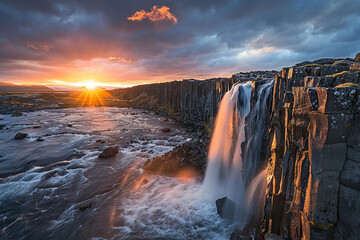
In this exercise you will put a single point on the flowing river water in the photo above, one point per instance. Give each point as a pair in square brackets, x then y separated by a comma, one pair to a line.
[92, 198]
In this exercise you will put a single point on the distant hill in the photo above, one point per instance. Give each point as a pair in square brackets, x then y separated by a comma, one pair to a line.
[6, 84]
[9, 87]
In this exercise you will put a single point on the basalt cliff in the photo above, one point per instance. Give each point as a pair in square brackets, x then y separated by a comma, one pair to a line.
[314, 153]
[310, 143]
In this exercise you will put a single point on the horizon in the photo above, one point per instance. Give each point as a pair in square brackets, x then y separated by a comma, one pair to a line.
[139, 42]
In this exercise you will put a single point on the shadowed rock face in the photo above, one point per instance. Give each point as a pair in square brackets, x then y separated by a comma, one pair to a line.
[314, 154]
[190, 101]
[188, 157]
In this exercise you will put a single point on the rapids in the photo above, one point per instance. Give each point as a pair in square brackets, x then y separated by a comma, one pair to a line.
[92, 198]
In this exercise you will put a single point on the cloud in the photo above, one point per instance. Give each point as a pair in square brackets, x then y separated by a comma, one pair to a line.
[155, 15]
[39, 46]
[89, 39]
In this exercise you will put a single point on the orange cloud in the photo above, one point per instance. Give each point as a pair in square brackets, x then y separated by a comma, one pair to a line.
[39, 46]
[119, 59]
[156, 14]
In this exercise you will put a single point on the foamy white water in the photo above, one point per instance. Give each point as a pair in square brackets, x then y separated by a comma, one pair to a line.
[116, 203]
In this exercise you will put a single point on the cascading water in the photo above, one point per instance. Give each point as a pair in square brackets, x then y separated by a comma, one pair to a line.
[230, 172]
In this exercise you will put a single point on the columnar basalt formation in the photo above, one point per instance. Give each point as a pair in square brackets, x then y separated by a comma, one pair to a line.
[190, 101]
[314, 154]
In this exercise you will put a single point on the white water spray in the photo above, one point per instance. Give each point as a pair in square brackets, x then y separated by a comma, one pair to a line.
[231, 173]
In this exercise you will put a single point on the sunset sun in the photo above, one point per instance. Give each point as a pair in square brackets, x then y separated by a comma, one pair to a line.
[90, 84]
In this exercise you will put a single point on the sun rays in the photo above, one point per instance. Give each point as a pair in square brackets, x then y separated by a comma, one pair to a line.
[93, 96]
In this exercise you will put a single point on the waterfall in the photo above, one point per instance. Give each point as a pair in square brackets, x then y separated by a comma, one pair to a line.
[230, 172]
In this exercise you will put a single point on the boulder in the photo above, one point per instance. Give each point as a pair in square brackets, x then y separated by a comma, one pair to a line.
[85, 206]
[18, 114]
[225, 208]
[69, 125]
[109, 152]
[188, 156]
[166, 130]
[50, 174]
[40, 139]
[20, 136]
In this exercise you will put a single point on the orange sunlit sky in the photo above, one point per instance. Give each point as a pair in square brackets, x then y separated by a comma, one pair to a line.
[123, 43]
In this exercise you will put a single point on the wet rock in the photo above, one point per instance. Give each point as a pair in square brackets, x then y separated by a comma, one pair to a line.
[247, 233]
[109, 152]
[40, 139]
[166, 130]
[36, 127]
[85, 206]
[100, 141]
[20, 136]
[188, 156]
[17, 114]
[76, 155]
[272, 236]
[225, 208]
[50, 174]
[69, 125]
[145, 181]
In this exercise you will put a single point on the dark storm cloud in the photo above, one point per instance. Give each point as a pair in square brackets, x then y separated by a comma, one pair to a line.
[209, 37]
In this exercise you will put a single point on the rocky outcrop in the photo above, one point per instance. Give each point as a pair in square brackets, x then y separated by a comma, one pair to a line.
[109, 152]
[314, 154]
[189, 156]
[20, 136]
[190, 101]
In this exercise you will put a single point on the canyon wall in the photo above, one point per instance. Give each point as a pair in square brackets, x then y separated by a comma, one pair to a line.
[190, 101]
[313, 154]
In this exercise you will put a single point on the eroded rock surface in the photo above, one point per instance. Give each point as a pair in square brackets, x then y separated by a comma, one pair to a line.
[314, 153]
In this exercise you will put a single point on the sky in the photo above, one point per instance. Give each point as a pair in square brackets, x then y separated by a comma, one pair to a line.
[122, 43]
